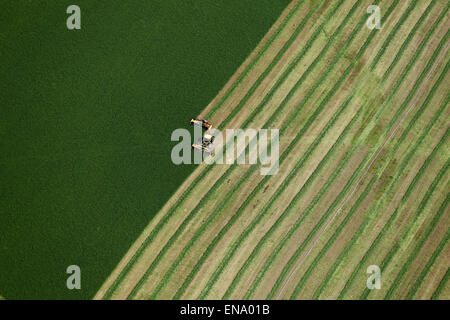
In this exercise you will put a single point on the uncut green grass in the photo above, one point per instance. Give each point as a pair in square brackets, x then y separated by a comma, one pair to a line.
[85, 125]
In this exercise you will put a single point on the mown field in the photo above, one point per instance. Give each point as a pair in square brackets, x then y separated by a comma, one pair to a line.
[364, 168]
[85, 123]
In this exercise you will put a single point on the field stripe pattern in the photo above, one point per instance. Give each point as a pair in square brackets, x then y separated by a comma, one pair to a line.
[363, 118]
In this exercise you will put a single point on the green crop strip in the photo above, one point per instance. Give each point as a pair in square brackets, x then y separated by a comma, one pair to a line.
[301, 192]
[306, 156]
[393, 34]
[383, 232]
[328, 212]
[309, 122]
[272, 292]
[395, 214]
[410, 36]
[229, 171]
[385, 263]
[319, 110]
[220, 207]
[433, 258]
[167, 216]
[368, 188]
[405, 132]
[323, 218]
[403, 76]
[275, 252]
[424, 237]
[416, 85]
[441, 286]
[333, 238]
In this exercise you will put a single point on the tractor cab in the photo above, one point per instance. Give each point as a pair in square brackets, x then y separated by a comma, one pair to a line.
[208, 138]
[201, 123]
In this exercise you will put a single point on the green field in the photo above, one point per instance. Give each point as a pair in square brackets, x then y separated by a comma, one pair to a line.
[85, 124]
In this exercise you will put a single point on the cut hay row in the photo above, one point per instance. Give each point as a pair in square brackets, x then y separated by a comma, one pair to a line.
[393, 33]
[310, 179]
[252, 169]
[328, 276]
[318, 225]
[423, 238]
[338, 98]
[230, 223]
[274, 227]
[400, 23]
[402, 168]
[369, 217]
[311, 120]
[405, 197]
[347, 248]
[325, 217]
[368, 188]
[312, 205]
[442, 285]
[335, 235]
[418, 246]
[421, 279]
[335, 265]
[204, 172]
[419, 212]
[444, 243]
[385, 263]
[279, 248]
[344, 253]
[306, 48]
[388, 225]
[285, 276]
